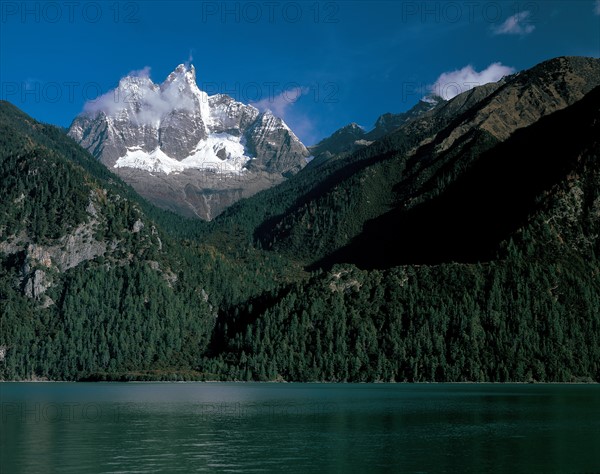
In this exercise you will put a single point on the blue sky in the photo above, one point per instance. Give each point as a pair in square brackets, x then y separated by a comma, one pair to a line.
[320, 64]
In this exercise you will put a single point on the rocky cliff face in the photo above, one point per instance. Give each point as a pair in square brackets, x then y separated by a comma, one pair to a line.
[180, 148]
[41, 263]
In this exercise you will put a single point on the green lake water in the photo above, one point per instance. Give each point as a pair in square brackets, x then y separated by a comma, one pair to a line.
[252, 427]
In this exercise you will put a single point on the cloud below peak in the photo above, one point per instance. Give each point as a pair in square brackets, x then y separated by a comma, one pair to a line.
[144, 72]
[280, 104]
[515, 25]
[145, 102]
[452, 83]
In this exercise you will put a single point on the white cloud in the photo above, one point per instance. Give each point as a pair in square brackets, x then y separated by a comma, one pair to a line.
[190, 59]
[280, 104]
[597, 7]
[136, 88]
[144, 72]
[515, 25]
[452, 83]
[108, 103]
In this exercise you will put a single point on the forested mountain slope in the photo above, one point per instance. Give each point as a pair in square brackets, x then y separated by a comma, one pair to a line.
[481, 254]
[88, 282]
[329, 204]
[463, 246]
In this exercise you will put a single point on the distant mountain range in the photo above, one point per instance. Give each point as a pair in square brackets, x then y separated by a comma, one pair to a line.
[352, 137]
[458, 241]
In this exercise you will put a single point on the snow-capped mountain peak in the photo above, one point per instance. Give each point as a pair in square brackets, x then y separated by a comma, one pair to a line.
[182, 70]
[136, 84]
[183, 80]
[176, 126]
[172, 138]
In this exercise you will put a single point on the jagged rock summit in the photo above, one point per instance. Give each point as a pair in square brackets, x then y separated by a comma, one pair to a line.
[184, 150]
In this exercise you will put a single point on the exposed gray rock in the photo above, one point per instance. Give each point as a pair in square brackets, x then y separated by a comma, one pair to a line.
[79, 246]
[137, 226]
[36, 284]
[276, 148]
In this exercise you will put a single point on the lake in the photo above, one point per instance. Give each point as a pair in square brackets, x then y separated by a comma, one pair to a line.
[254, 427]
